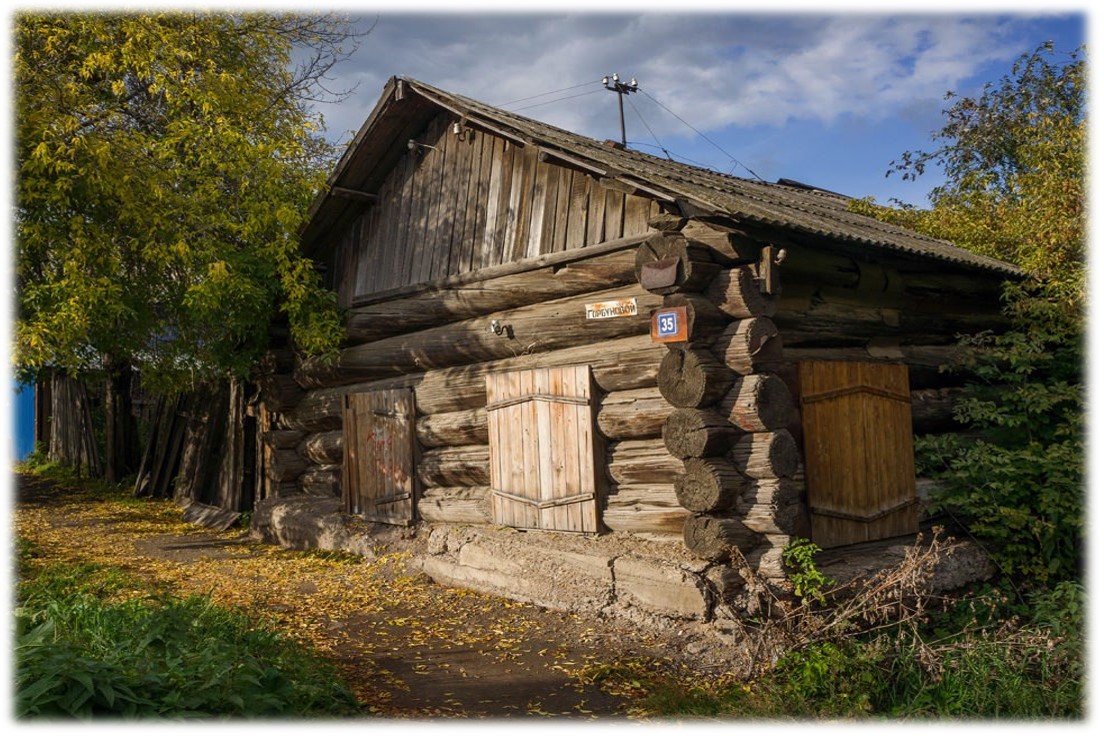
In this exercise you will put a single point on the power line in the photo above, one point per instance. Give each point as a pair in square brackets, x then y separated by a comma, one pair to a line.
[545, 94]
[558, 99]
[677, 157]
[645, 123]
[703, 135]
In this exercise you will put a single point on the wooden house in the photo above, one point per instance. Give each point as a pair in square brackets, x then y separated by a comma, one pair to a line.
[549, 332]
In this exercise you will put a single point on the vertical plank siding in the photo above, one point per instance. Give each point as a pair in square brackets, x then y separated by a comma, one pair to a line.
[378, 464]
[859, 467]
[540, 423]
[470, 202]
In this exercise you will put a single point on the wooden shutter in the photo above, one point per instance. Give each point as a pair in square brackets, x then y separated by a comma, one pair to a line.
[378, 471]
[859, 470]
[542, 444]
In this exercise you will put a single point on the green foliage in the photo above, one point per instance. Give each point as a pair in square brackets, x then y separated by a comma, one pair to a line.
[970, 664]
[808, 581]
[1014, 158]
[998, 671]
[828, 679]
[164, 165]
[80, 655]
[1018, 478]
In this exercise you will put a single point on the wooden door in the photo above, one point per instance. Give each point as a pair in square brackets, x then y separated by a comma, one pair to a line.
[378, 470]
[542, 447]
[859, 470]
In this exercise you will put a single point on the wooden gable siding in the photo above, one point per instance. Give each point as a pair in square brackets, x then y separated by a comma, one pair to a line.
[472, 202]
[859, 470]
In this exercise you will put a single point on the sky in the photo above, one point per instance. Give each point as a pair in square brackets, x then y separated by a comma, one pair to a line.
[823, 93]
[827, 97]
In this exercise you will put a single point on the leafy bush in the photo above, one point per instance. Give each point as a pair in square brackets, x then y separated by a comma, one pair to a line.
[78, 655]
[1018, 478]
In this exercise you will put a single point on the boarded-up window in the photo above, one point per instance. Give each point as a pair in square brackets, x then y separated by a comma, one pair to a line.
[859, 469]
[542, 443]
[377, 474]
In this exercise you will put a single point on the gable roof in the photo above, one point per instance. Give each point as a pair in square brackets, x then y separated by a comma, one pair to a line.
[407, 104]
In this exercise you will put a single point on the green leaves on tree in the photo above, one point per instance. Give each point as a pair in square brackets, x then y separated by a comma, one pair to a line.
[165, 164]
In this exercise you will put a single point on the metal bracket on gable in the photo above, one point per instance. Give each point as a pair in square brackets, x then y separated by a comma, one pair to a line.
[770, 257]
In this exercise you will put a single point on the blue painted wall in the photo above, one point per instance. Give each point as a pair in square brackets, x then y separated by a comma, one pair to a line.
[23, 416]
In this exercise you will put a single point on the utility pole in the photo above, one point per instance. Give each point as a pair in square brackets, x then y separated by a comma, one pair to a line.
[614, 84]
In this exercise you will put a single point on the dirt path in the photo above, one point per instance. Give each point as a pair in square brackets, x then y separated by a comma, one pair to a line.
[407, 646]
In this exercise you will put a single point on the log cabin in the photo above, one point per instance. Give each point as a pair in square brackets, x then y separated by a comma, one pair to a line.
[565, 336]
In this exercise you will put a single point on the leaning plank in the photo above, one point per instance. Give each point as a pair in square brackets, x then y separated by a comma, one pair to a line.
[209, 516]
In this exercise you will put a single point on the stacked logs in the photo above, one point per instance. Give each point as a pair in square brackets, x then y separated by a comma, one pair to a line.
[445, 359]
[728, 427]
[442, 347]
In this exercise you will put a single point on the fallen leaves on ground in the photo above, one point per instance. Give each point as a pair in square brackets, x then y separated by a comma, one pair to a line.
[388, 630]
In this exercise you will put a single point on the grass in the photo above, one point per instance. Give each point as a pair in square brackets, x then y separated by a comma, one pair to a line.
[1003, 668]
[92, 642]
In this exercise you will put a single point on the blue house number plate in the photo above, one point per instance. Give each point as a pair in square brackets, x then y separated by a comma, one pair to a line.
[669, 325]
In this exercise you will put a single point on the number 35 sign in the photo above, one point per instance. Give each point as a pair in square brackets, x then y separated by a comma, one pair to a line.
[669, 324]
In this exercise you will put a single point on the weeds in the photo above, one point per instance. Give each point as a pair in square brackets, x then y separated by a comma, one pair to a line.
[889, 645]
[90, 642]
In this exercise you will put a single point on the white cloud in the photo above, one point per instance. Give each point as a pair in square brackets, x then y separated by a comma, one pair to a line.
[713, 70]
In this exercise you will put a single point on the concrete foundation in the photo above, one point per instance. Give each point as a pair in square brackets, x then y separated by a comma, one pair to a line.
[654, 584]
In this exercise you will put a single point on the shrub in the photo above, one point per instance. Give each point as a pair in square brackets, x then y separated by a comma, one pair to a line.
[1017, 479]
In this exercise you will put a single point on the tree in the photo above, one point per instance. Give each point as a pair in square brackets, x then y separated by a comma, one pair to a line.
[1014, 160]
[165, 164]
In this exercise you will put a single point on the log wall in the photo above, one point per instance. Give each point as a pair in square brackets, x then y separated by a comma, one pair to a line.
[703, 437]
[438, 341]
[726, 438]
